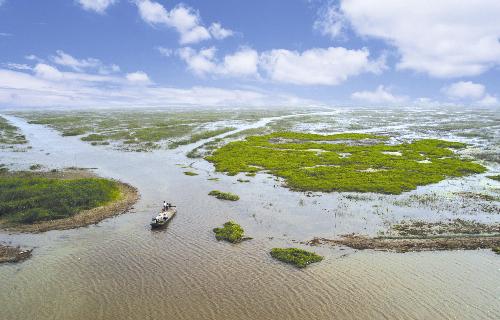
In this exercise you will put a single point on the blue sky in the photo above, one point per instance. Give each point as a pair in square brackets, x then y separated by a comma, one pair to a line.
[113, 53]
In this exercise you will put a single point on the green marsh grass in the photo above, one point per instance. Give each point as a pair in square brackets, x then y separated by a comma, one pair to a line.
[298, 257]
[231, 232]
[313, 162]
[224, 195]
[28, 199]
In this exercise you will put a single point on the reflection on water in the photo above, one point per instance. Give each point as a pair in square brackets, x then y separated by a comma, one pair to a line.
[119, 269]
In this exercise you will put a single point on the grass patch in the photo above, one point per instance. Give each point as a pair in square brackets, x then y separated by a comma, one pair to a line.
[190, 173]
[231, 232]
[496, 250]
[243, 180]
[344, 162]
[213, 179]
[298, 257]
[224, 195]
[10, 134]
[26, 199]
[496, 178]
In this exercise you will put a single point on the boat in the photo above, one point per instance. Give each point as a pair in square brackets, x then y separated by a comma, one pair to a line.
[163, 218]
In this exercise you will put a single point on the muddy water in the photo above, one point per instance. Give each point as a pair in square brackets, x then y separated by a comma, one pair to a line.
[120, 269]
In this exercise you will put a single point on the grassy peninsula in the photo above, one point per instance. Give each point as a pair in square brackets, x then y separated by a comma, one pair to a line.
[353, 162]
[43, 201]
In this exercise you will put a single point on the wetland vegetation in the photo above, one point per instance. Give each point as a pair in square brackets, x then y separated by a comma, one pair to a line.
[231, 232]
[224, 195]
[345, 162]
[297, 257]
[42, 201]
[9, 134]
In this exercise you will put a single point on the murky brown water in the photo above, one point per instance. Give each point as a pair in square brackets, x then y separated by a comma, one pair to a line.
[120, 269]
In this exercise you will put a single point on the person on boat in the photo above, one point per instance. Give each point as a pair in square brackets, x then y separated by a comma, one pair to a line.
[165, 206]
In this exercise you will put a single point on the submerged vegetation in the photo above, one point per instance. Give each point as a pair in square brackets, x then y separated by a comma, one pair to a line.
[497, 177]
[224, 195]
[9, 134]
[190, 173]
[298, 257]
[27, 198]
[345, 162]
[231, 232]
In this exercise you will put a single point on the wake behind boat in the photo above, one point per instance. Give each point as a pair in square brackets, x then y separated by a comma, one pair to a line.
[164, 217]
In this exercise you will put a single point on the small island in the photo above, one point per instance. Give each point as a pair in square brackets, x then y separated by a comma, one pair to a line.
[298, 257]
[224, 195]
[13, 254]
[231, 232]
[42, 201]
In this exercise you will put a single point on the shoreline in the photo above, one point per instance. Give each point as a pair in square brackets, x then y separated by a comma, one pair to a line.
[129, 196]
[413, 244]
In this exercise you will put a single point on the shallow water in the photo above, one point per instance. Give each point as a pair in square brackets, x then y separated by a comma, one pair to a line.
[120, 269]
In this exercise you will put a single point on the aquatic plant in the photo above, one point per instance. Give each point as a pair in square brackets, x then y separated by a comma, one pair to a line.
[298, 257]
[497, 177]
[36, 166]
[27, 199]
[224, 195]
[231, 232]
[190, 173]
[344, 162]
[243, 180]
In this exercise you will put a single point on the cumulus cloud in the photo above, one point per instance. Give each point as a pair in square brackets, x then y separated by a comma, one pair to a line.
[318, 66]
[184, 19]
[47, 86]
[98, 6]
[63, 59]
[464, 90]
[218, 32]
[379, 96]
[446, 38]
[239, 64]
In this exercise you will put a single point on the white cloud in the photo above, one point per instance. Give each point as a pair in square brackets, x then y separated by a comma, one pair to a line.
[67, 60]
[199, 62]
[318, 66]
[488, 101]
[166, 52]
[49, 87]
[446, 38]
[379, 96]
[239, 64]
[218, 32]
[16, 66]
[464, 90]
[330, 21]
[138, 77]
[184, 19]
[98, 6]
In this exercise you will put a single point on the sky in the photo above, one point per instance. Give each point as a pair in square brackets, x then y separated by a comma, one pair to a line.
[266, 53]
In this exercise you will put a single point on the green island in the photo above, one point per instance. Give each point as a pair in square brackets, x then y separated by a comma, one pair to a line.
[298, 257]
[231, 232]
[41, 201]
[496, 178]
[9, 134]
[354, 162]
[224, 195]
